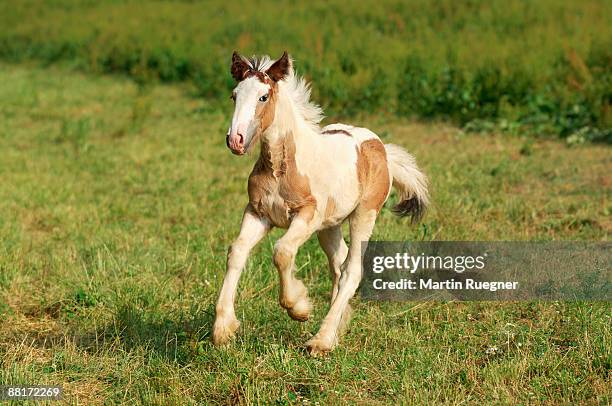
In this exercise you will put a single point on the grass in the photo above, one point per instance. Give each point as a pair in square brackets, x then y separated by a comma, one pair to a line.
[506, 65]
[118, 202]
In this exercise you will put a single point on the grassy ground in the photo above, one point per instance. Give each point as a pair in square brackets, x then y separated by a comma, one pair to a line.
[117, 204]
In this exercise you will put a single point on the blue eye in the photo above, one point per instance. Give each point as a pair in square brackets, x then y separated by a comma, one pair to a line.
[263, 98]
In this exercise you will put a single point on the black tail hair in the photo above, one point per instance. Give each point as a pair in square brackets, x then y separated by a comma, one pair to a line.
[413, 207]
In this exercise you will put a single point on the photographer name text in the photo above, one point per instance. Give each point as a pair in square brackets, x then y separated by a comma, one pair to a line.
[451, 284]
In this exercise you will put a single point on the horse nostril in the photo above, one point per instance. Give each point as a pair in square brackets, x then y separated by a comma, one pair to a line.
[241, 139]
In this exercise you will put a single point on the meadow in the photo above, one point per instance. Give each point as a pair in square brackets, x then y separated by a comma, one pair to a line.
[543, 68]
[118, 202]
[119, 197]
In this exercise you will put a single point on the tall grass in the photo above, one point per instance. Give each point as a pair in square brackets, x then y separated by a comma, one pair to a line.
[542, 67]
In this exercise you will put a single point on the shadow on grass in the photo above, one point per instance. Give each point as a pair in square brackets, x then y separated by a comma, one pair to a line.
[134, 329]
[175, 339]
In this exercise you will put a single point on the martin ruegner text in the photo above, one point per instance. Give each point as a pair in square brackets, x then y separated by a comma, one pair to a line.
[451, 284]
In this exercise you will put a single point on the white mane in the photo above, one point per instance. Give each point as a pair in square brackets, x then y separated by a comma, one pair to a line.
[296, 87]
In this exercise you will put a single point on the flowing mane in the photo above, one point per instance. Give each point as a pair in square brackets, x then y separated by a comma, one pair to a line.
[296, 87]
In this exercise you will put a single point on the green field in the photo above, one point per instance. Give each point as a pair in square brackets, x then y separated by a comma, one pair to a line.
[539, 67]
[118, 202]
[119, 197]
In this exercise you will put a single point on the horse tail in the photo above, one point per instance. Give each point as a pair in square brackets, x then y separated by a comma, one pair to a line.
[409, 181]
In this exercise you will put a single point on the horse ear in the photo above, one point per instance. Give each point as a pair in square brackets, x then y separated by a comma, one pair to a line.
[239, 67]
[280, 68]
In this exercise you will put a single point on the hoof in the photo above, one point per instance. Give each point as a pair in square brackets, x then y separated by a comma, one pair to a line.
[296, 301]
[224, 331]
[301, 310]
[318, 346]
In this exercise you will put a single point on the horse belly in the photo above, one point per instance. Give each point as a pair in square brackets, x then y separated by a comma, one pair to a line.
[333, 214]
[333, 176]
[339, 196]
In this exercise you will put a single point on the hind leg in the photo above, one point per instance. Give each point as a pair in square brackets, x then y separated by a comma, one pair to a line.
[335, 249]
[361, 224]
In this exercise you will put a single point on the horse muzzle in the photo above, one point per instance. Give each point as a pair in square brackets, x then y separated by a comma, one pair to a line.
[235, 142]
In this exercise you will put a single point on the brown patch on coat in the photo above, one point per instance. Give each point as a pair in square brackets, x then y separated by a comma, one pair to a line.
[330, 208]
[373, 174]
[276, 189]
[263, 78]
[295, 187]
[337, 132]
[265, 113]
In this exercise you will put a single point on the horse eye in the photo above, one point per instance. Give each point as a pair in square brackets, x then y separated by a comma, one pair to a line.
[233, 97]
[263, 98]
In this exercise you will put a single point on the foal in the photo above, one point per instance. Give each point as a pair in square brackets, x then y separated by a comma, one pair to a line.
[308, 180]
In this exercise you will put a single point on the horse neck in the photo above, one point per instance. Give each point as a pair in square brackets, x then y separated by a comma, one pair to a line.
[272, 155]
[287, 128]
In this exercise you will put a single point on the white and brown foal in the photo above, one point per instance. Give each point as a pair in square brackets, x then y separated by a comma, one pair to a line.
[308, 180]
